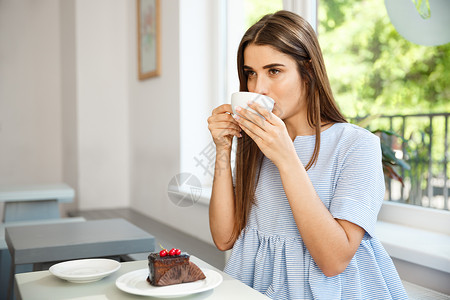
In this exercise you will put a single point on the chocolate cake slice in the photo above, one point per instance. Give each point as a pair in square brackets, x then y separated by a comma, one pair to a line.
[170, 270]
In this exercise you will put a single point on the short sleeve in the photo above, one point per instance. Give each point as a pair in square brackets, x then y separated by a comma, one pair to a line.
[360, 188]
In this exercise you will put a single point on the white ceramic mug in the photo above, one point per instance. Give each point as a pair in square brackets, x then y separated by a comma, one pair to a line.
[242, 98]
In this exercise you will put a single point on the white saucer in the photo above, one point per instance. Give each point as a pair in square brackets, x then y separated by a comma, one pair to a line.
[84, 270]
[135, 282]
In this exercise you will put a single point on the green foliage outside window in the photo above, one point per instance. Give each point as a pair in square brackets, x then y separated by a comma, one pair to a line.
[256, 9]
[375, 71]
[372, 69]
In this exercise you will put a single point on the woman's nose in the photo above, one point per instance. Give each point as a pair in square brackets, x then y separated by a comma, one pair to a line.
[261, 86]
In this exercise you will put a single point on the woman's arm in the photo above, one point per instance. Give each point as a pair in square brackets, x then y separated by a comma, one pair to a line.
[331, 242]
[221, 208]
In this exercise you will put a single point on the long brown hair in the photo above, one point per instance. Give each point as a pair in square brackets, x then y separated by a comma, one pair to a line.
[288, 33]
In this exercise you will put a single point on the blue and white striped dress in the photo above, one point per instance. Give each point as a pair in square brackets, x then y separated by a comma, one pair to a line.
[270, 255]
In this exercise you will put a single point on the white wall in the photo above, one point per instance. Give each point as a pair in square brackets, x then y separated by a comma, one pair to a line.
[64, 97]
[69, 113]
[102, 103]
[72, 108]
[30, 125]
[30, 88]
[154, 122]
[155, 127]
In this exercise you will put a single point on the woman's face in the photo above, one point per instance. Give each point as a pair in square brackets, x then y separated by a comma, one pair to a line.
[273, 73]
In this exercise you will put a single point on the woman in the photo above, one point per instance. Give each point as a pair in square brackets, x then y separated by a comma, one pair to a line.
[301, 209]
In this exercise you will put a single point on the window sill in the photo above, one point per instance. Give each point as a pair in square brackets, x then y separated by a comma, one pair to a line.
[415, 234]
[414, 216]
[418, 246]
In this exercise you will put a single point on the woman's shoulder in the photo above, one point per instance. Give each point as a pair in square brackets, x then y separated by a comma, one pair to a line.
[352, 133]
[347, 138]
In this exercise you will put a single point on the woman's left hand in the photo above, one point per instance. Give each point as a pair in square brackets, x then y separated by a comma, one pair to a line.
[270, 134]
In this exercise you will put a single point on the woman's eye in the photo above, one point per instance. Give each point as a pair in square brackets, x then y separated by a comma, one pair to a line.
[250, 74]
[274, 71]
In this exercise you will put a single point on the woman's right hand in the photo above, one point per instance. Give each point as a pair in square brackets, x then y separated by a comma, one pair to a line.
[223, 127]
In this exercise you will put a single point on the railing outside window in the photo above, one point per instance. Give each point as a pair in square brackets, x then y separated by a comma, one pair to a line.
[422, 142]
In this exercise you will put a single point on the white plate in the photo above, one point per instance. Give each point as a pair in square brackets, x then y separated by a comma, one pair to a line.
[136, 283]
[84, 270]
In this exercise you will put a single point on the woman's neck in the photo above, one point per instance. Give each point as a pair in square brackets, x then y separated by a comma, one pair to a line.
[301, 127]
[298, 125]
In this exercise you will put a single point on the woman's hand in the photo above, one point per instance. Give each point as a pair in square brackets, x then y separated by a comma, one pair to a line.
[270, 134]
[223, 127]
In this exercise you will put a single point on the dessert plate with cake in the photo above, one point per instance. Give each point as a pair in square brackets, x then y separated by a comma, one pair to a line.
[169, 274]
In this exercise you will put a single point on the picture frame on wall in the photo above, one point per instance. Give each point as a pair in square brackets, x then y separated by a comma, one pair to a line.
[148, 27]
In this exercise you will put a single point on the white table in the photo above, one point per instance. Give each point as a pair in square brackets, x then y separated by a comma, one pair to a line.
[34, 202]
[43, 285]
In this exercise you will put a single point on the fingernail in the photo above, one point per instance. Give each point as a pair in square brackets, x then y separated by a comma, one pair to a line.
[237, 108]
[236, 117]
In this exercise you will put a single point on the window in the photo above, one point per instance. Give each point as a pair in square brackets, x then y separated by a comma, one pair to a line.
[376, 72]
